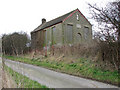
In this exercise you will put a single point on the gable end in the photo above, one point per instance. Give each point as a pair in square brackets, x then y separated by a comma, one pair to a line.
[80, 14]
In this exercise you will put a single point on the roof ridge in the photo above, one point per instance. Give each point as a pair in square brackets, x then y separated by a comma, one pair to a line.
[53, 21]
[62, 15]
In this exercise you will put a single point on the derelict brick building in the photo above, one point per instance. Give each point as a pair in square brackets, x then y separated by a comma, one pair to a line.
[71, 28]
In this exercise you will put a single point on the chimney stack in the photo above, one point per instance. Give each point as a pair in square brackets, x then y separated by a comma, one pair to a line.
[43, 20]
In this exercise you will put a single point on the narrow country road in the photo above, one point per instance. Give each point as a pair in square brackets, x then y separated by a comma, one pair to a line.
[54, 79]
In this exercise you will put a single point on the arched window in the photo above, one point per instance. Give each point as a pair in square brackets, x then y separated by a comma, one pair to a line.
[79, 36]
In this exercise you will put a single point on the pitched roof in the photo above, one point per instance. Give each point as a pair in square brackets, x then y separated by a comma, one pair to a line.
[57, 20]
[52, 22]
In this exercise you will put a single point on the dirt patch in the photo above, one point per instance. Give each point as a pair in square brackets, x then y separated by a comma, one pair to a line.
[10, 82]
[0, 78]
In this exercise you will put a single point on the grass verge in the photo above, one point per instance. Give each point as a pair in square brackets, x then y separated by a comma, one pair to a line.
[82, 67]
[23, 81]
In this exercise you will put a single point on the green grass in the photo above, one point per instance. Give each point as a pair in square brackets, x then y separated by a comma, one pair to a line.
[23, 81]
[82, 67]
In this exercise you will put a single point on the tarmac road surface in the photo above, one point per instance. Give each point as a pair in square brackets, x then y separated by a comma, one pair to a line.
[54, 79]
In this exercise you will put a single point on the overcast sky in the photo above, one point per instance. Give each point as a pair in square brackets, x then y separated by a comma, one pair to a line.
[26, 15]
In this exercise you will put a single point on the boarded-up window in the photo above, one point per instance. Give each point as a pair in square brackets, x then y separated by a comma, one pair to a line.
[54, 30]
[86, 32]
[45, 37]
[69, 33]
[53, 35]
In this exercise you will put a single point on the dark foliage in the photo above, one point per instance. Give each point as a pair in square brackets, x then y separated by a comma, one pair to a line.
[15, 43]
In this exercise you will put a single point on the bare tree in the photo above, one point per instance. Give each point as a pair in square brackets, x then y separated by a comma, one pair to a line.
[108, 19]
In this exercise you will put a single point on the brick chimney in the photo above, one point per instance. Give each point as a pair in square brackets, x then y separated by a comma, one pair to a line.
[43, 20]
